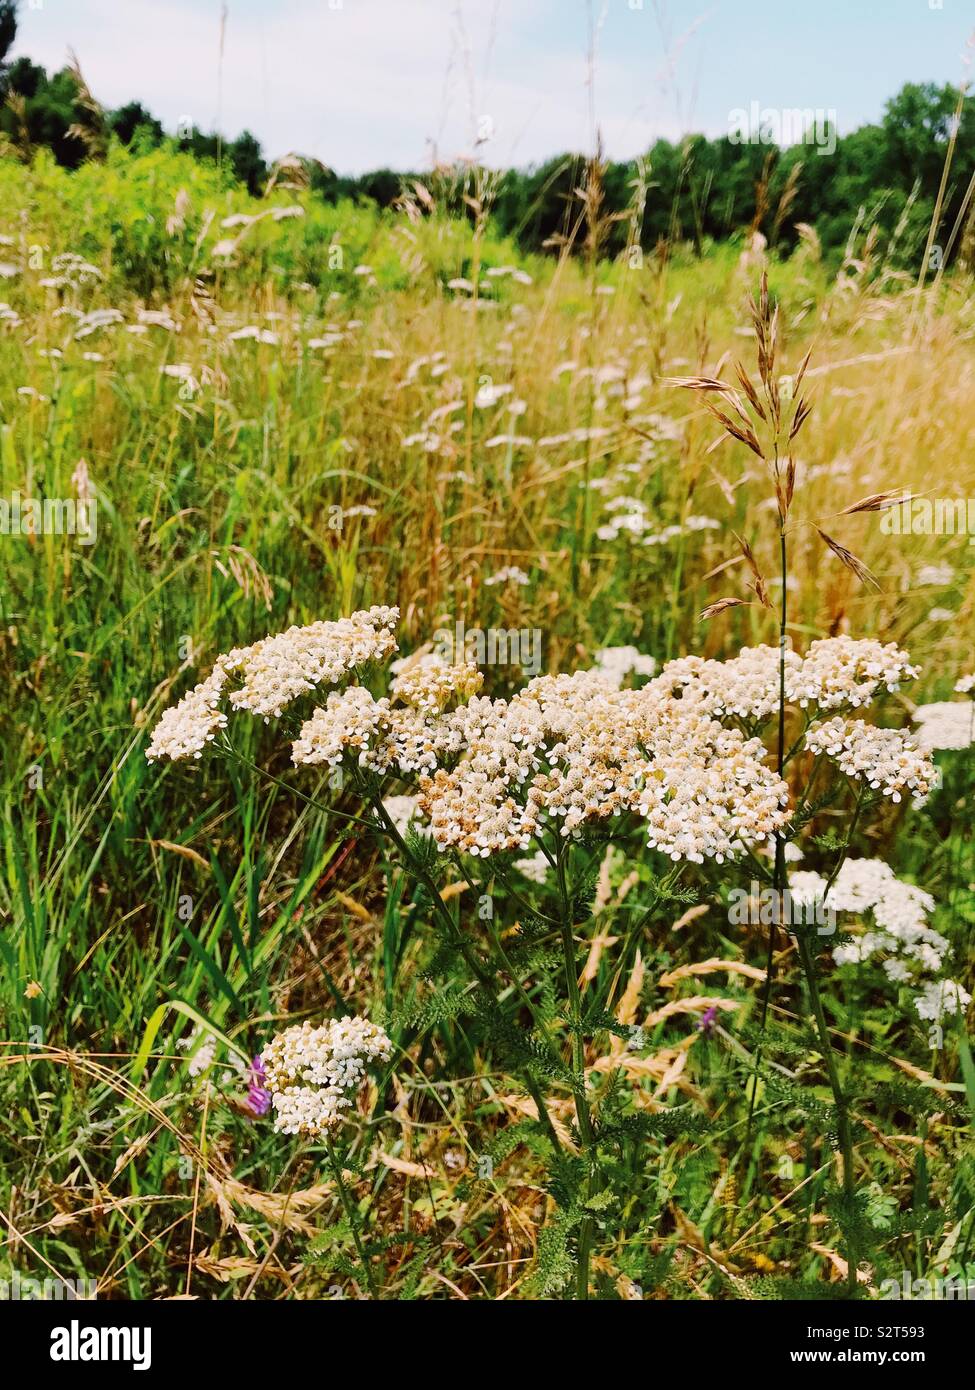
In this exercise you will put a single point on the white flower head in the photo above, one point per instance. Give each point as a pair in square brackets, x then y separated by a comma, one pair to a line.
[314, 1074]
[945, 724]
[270, 674]
[570, 749]
[431, 683]
[887, 760]
[942, 999]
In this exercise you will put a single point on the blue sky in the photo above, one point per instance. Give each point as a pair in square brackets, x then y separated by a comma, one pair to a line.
[365, 83]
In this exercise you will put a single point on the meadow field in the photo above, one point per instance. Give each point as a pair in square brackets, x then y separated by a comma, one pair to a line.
[602, 1070]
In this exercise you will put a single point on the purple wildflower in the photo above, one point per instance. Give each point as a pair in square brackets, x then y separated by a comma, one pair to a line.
[707, 1020]
[258, 1100]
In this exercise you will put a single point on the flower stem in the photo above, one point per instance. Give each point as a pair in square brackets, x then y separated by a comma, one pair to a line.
[351, 1213]
[439, 906]
[778, 872]
[578, 1063]
[839, 1099]
[854, 820]
[535, 1091]
[474, 964]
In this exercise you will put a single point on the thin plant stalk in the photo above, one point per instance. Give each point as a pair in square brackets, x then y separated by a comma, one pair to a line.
[839, 1099]
[778, 875]
[353, 1218]
[476, 967]
[578, 1063]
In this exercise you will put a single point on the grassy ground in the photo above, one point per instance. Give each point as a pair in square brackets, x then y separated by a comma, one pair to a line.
[353, 452]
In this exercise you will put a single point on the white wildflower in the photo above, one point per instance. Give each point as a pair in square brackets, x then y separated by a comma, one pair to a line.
[941, 998]
[900, 933]
[616, 663]
[489, 394]
[510, 574]
[187, 727]
[945, 724]
[349, 721]
[202, 1047]
[888, 760]
[806, 887]
[935, 575]
[97, 319]
[847, 671]
[835, 672]
[568, 749]
[313, 1074]
[431, 683]
[271, 674]
[256, 334]
[278, 669]
[404, 812]
[535, 868]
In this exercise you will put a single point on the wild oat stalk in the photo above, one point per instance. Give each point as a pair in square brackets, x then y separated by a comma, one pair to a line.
[767, 422]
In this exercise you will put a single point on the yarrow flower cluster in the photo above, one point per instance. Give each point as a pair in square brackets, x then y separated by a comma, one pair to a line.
[942, 999]
[888, 760]
[569, 749]
[565, 750]
[314, 1074]
[747, 686]
[275, 671]
[202, 1048]
[835, 672]
[350, 720]
[945, 724]
[431, 683]
[900, 935]
[271, 674]
[616, 663]
[384, 737]
[838, 671]
[535, 868]
[186, 728]
[403, 811]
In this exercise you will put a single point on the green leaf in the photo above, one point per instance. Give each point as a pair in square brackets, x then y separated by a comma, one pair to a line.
[155, 1023]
